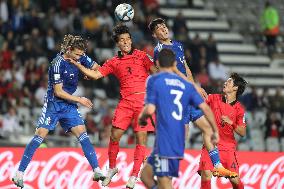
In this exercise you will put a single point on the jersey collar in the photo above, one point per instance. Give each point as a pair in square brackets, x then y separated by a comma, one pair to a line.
[232, 103]
[120, 55]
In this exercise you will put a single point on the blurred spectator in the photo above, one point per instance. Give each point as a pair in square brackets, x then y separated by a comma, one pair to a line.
[90, 124]
[251, 100]
[270, 26]
[203, 78]
[264, 99]
[277, 102]
[211, 49]
[4, 12]
[217, 71]
[61, 22]
[272, 125]
[11, 124]
[91, 24]
[77, 22]
[40, 92]
[6, 57]
[103, 37]
[179, 22]
[195, 50]
[105, 19]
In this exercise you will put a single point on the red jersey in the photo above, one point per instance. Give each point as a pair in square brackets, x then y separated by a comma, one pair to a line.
[131, 70]
[234, 111]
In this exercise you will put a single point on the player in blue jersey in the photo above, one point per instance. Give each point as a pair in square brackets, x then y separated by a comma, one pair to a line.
[161, 33]
[61, 106]
[169, 95]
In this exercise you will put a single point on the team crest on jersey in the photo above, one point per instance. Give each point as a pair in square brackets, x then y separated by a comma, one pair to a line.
[47, 121]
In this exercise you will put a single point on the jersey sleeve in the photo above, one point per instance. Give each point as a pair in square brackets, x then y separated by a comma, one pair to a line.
[107, 68]
[241, 117]
[148, 61]
[56, 71]
[87, 61]
[151, 93]
[195, 98]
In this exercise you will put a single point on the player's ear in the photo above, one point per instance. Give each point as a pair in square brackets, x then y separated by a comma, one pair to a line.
[154, 35]
[175, 64]
[235, 88]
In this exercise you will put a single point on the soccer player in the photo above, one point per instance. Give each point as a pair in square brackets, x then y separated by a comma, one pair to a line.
[61, 106]
[229, 115]
[160, 31]
[131, 67]
[169, 95]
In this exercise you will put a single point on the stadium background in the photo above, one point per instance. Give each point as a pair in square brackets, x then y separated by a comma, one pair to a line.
[220, 36]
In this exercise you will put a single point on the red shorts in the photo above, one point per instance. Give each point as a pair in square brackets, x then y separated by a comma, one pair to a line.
[127, 112]
[227, 158]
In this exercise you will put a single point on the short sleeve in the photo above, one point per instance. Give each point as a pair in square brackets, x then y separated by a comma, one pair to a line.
[87, 61]
[56, 73]
[148, 61]
[195, 98]
[241, 117]
[151, 93]
[107, 68]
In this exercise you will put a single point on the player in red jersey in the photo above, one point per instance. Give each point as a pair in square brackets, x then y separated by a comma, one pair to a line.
[230, 118]
[131, 67]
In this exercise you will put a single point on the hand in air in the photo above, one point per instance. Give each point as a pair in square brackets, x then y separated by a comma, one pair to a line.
[226, 119]
[86, 102]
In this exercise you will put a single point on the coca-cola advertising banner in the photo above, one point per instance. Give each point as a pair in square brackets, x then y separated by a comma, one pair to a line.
[68, 168]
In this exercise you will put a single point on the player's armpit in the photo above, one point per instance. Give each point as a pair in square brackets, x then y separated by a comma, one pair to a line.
[240, 130]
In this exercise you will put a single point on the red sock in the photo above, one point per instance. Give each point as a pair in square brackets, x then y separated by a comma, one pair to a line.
[205, 184]
[139, 155]
[113, 149]
[238, 186]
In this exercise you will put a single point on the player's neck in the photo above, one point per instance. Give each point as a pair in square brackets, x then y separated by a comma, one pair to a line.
[230, 97]
[170, 70]
[166, 41]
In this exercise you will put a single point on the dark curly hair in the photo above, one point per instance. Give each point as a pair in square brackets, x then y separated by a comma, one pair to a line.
[73, 42]
[239, 82]
[154, 23]
[118, 30]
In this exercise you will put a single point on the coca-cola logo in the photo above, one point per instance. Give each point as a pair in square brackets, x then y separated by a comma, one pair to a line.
[68, 168]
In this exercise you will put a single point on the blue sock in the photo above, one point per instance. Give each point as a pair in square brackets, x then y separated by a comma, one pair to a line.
[29, 152]
[214, 156]
[154, 187]
[88, 150]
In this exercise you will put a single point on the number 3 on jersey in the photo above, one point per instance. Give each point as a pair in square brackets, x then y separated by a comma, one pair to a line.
[178, 94]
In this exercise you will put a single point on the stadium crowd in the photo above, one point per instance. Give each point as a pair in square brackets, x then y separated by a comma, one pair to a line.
[30, 36]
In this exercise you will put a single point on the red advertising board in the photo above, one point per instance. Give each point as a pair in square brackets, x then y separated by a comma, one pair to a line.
[68, 168]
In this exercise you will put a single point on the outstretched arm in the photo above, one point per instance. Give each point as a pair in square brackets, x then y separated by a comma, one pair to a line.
[93, 74]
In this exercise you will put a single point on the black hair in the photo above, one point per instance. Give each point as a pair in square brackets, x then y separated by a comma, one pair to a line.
[239, 82]
[153, 24]
[118, 30]
[73, 42]
[166, 58]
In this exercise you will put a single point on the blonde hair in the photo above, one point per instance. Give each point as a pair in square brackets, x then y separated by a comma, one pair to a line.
[73, 42]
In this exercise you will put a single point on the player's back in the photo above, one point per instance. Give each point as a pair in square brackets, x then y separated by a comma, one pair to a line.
[60, 71]
[173, 96]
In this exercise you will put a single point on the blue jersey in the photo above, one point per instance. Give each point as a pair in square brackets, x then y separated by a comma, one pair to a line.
[62, 71]
[177, 48]
[171, 95]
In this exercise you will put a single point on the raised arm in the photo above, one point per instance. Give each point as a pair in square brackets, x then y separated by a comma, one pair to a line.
[90, 73]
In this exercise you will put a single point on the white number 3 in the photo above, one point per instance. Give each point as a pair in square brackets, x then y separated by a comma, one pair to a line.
[177, 116]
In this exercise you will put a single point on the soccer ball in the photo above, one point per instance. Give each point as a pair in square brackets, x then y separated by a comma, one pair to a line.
[124, 12]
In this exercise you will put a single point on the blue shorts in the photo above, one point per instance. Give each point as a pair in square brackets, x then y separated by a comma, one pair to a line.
[68, 116]
[164, 166]
[192, 114]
